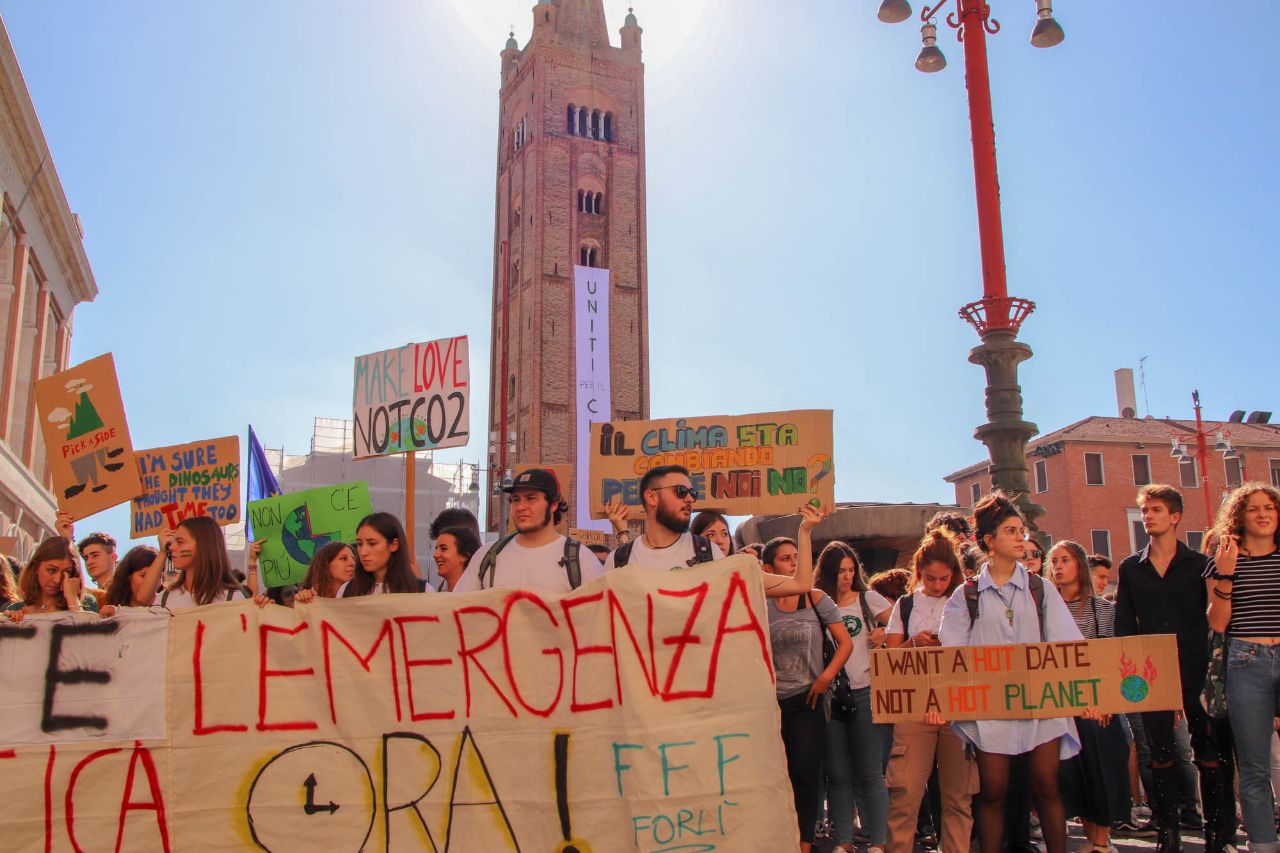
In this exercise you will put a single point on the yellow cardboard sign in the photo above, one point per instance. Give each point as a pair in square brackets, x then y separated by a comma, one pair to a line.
[740, 464]
[185, 480]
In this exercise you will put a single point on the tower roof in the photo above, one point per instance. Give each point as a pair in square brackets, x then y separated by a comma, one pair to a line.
[631, 18]
[582, 21]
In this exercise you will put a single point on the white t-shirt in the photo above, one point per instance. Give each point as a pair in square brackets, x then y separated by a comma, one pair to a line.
[858, 666]
[675, 556]
[926, 614]
[530, 568]
[180, 599]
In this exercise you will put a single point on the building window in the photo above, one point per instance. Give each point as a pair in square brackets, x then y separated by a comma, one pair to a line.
[1275, 473]
[1141, 469]
[589, 202]
[571, 121]
[1234, 474]
[975, 494]
[588, 123]
[588, 256]
[1093, 469]
[1187, 472]
[1100, 542]
[608, 127]
[595, 125]
[583, 119]
[1042, 476]
[519, 134]
[1195, 539]
[1140, 537]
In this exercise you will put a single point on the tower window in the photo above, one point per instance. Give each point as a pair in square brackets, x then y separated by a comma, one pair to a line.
[589, 202]
[588, 256]
[583, 118]
[608, 127]
[595, 124]
[571, 120]
[596, 201]
[581, 201]
[583, 257]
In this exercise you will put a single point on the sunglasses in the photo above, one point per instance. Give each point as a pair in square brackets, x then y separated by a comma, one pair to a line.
[1036, 555]
[682, 491]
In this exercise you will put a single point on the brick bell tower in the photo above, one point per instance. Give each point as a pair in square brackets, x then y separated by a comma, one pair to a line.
[570, 191]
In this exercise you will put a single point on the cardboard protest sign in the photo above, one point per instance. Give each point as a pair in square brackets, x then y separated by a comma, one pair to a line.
[413, 397]
[740, 465]
[293, 527]
[587, 537]
[185, 480]
[1120, 675]
[564, 473]
[636, 713]
[86, 438]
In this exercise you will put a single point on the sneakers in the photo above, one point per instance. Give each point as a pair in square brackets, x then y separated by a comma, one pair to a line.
[1134, 826]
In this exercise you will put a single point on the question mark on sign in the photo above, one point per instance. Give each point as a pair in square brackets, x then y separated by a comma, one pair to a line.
[821, 462]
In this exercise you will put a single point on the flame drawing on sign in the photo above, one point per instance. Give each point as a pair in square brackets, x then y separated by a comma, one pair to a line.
[1134, 687]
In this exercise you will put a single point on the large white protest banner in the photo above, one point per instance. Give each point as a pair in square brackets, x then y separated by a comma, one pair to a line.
[74, 677]
[591, 361]
[636, 713]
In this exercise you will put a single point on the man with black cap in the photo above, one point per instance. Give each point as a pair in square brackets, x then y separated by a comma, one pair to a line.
[536, 556]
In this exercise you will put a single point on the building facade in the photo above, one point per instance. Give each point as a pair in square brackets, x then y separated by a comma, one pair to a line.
[1087, 476]
[44, 275]
[570, 192]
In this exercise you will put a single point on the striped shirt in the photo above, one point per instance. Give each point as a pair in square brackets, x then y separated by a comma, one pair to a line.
[1255, 596]
[1095, 617]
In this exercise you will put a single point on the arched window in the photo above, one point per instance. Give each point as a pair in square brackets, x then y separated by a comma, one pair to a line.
[597, 202]
[583, 257]
[571, 119]
[608, 127]
[580, 201]
[595, 124]
[584, 117]
[593, 258]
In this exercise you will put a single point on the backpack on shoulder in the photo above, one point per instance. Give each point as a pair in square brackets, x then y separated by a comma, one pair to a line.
[1036, 583]
[701, 552]
[572, 567]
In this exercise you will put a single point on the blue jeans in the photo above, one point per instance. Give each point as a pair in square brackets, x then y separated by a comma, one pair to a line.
[1253, 696]
[855, 772]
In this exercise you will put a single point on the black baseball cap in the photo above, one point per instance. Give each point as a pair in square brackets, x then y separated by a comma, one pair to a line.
[542, 479]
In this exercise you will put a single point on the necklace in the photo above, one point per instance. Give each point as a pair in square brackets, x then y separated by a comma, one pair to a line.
[1008, 604]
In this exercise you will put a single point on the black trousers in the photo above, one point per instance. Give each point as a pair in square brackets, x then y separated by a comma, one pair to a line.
[1211, 743]
[804, 735]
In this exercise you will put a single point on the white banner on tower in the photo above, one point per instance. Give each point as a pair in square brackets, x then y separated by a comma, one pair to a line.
[591, 351]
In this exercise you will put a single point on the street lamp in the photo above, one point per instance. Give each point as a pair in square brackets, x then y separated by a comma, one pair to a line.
[997, 316]
[1200, 454]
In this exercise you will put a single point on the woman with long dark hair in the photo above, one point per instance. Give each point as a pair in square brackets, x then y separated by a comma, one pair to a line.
[918, 747]
[855, 744]
[1095, 784]
[333, 565]
[202, 569]
[126, 583]
[714, 526]
[385, 564]
[1011, 610]
[797, 624]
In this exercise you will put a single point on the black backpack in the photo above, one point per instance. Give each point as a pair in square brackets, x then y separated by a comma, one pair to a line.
[971, 599]
[701, 552]
[572, 568]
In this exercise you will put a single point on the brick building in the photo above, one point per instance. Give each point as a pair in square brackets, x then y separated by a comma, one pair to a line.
[44, 275]
[570, 191]
[1087, 475]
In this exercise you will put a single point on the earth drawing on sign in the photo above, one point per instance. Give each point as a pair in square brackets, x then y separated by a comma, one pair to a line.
[1134, 687]
[299, 540]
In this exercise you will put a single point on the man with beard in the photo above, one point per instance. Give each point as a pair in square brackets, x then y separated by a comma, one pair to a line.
[668, 496]
[536, 556]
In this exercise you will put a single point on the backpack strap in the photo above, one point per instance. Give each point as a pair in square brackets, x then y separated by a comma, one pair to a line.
[701, 550]
[904, 610]
[485, 573]
[868, 618]
[164, 598]
[622, 554]
[572, 567]
[1037, 595]
[971, 599]
[230, 592]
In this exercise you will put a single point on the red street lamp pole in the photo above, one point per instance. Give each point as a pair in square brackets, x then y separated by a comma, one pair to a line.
[997, 316]
[1202, 456]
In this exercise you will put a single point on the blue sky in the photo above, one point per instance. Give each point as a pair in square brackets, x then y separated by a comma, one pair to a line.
[268, 193]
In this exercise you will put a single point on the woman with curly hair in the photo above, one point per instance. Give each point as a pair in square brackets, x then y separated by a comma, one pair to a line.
[1244, 581]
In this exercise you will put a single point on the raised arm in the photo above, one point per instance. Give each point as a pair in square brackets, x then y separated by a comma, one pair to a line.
[776, 586]
[1221, 582]
[151, 574]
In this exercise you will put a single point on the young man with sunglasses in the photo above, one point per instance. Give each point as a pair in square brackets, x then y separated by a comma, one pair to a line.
[666, 543]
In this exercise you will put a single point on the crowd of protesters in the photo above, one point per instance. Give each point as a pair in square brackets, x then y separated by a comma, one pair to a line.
[1009, 785]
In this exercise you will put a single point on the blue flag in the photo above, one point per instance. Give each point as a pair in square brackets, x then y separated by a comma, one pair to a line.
[262, 480]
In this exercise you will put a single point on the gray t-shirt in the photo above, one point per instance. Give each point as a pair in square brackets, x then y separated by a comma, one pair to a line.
[797, 643]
